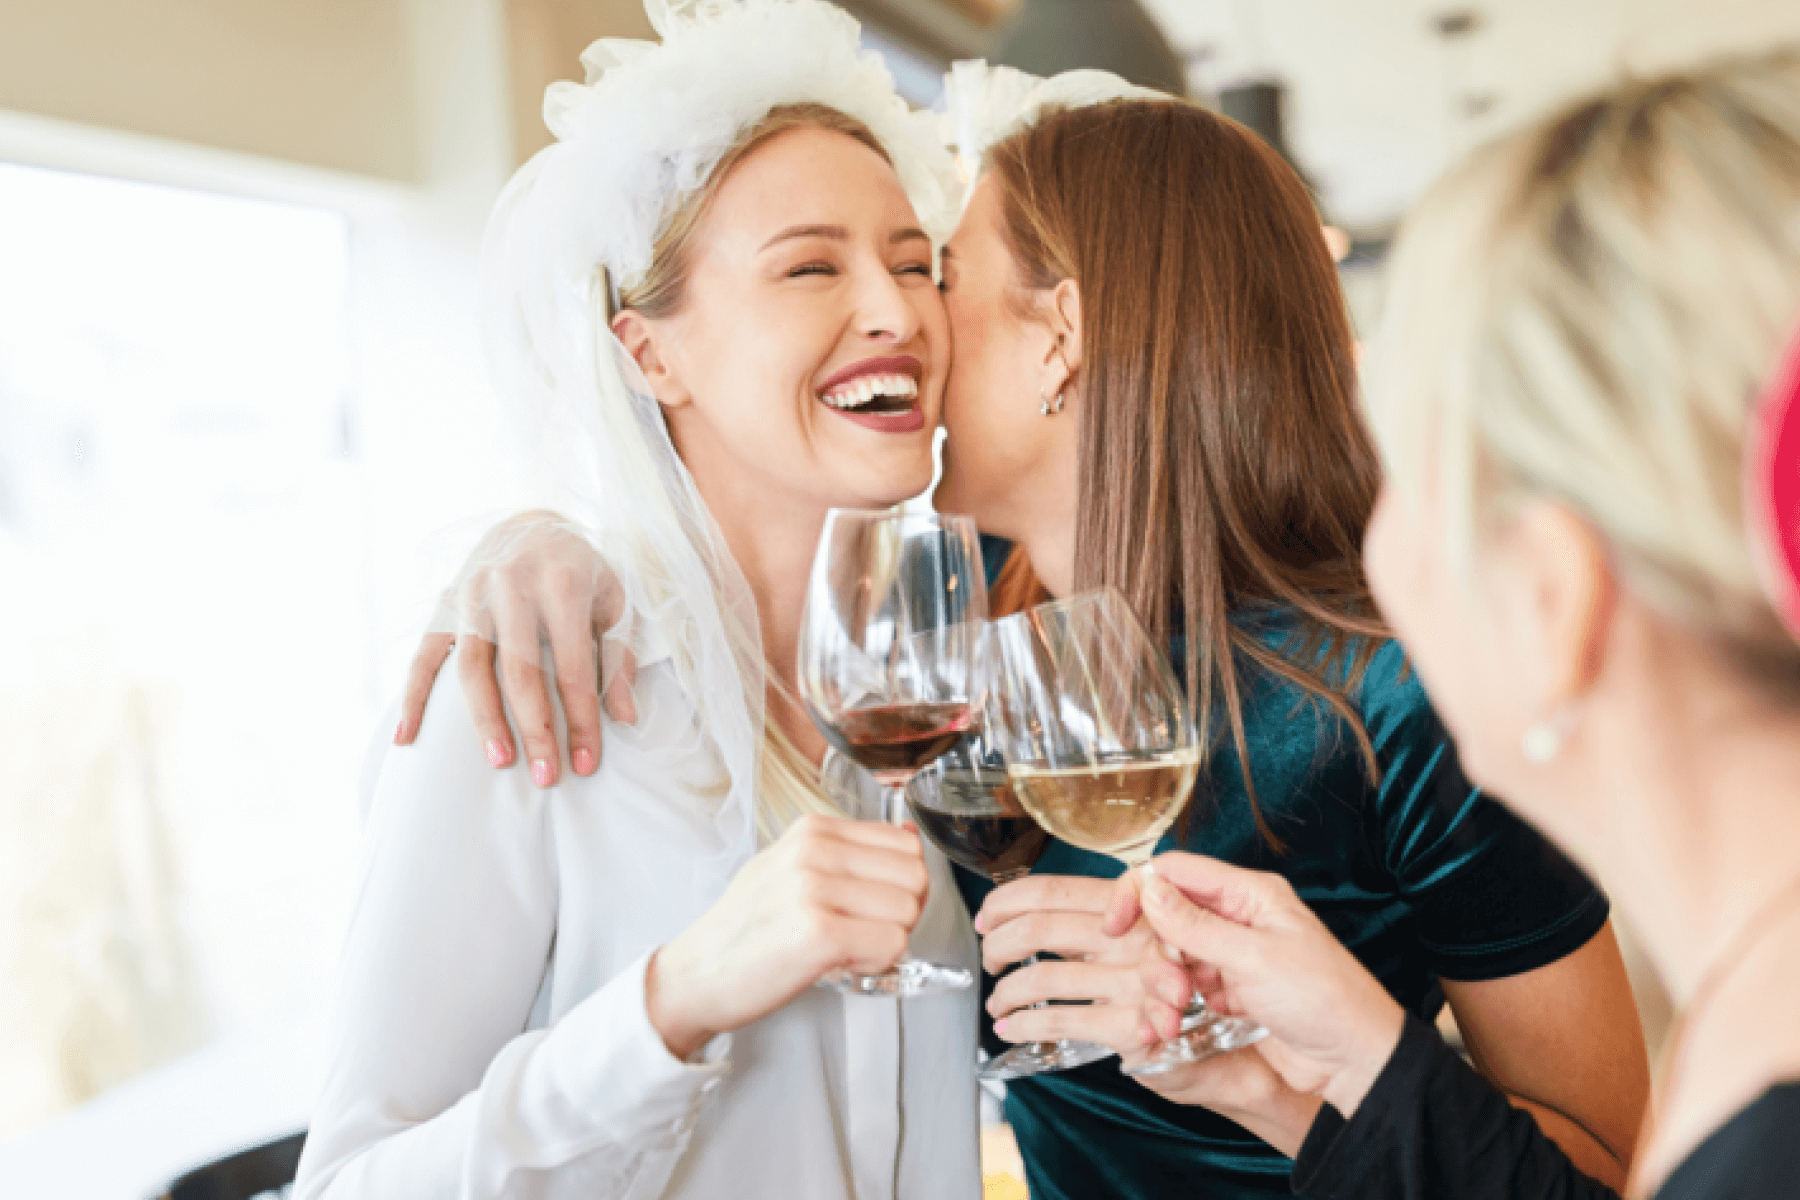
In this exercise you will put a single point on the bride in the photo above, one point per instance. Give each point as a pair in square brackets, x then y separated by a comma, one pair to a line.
[605, 989]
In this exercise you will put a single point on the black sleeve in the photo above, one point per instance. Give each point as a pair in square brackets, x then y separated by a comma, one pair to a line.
[1432, 1129]
[1755, 1154]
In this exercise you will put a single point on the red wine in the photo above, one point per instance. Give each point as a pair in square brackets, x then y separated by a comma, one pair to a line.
[976, 820]
[895, 740]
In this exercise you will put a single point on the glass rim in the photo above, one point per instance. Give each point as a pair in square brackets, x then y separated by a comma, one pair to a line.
[1072, 602]
[896, 513]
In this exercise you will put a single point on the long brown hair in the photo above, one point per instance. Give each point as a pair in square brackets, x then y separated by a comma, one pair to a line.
[1223, 465]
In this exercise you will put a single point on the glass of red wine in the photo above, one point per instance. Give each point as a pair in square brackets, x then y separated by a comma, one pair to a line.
[892, 668]
[964, 803]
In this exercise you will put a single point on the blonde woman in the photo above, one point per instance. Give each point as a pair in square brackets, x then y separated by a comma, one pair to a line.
[1566, 392]
[604, 989]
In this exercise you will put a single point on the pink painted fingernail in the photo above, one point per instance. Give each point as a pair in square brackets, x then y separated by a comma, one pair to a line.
[981, 922]
[400, 731]
[584, 762]
[496, 752]
[540, 772]
[1000, 1027]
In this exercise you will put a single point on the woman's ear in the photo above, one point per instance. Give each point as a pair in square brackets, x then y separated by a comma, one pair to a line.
[639, 337]
[1563, 597]
[1064, 316]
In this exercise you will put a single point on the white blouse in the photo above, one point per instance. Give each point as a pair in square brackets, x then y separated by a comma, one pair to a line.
[490, 1036]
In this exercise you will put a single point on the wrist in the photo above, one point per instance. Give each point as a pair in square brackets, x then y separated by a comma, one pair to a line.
[669, 1002]
[1351, 1083]
[1281, 1119]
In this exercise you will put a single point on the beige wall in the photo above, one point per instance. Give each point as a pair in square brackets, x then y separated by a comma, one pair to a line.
[546, 38]
[323, 83]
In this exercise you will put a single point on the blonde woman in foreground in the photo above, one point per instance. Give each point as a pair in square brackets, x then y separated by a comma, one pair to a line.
[1566, 393]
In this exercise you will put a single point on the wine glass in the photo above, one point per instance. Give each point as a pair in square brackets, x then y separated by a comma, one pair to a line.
[964, 802]
[891, 668]
[1102, 750]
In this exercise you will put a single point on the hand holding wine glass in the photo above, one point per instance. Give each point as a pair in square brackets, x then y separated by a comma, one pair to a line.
[1102, 750]
[891, 668]
[829, 893]
[964, 803]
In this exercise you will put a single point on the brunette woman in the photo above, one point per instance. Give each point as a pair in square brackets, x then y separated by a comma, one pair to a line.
[1154, 390]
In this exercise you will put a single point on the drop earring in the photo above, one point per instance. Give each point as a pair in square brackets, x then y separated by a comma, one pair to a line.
[1050, 407]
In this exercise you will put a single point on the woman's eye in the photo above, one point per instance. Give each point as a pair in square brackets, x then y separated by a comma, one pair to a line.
[812, 268]
[916, 269]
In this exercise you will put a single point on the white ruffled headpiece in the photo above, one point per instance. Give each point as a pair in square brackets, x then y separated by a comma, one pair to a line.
[984, 104]
[653, 119]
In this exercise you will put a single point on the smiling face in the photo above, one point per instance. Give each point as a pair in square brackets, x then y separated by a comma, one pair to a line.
[807, 358]
[1005, 462]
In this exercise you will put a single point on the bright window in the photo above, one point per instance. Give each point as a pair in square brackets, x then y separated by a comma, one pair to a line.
[182, 551]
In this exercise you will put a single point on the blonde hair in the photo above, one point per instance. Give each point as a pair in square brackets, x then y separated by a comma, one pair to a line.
[1587, 310]
[789, 786]
[664, 285]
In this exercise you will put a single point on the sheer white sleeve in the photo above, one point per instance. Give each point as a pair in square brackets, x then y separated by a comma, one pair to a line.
[437, 1087]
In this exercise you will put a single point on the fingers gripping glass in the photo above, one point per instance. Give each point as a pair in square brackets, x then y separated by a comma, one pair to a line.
[964, 803]
[890, 666]
[1102, 750]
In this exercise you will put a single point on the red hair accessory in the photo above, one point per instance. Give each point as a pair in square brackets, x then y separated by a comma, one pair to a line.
[1772, 485]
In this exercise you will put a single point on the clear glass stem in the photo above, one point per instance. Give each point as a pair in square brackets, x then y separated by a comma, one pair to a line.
[893, 802]
[1204, 1033]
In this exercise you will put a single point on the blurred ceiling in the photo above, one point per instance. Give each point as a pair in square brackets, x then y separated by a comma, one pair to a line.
[1384, 94]
[1049, 36]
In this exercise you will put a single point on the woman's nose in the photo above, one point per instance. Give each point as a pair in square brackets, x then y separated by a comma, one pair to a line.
[884, 310]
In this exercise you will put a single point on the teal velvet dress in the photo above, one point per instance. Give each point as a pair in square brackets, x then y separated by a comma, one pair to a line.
[1421, 876]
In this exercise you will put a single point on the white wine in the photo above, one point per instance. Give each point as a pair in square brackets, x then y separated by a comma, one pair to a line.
[1119, 806]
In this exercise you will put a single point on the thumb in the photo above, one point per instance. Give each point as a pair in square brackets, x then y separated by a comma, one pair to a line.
[1196, 931]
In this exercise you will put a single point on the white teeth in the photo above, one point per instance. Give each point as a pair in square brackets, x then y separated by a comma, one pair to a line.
[861, 391]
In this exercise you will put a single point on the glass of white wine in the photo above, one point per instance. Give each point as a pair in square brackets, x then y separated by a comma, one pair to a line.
[1102, 751]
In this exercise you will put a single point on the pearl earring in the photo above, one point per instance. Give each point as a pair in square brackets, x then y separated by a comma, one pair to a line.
[1050, 407]
[1544, 740]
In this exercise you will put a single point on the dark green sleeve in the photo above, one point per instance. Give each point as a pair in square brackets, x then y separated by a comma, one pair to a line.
[1491, 896]
[994, 552]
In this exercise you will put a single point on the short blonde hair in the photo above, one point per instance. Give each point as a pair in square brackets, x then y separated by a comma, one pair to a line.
[1587, 311]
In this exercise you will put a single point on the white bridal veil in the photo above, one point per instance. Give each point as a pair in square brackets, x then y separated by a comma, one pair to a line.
[637, 138]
